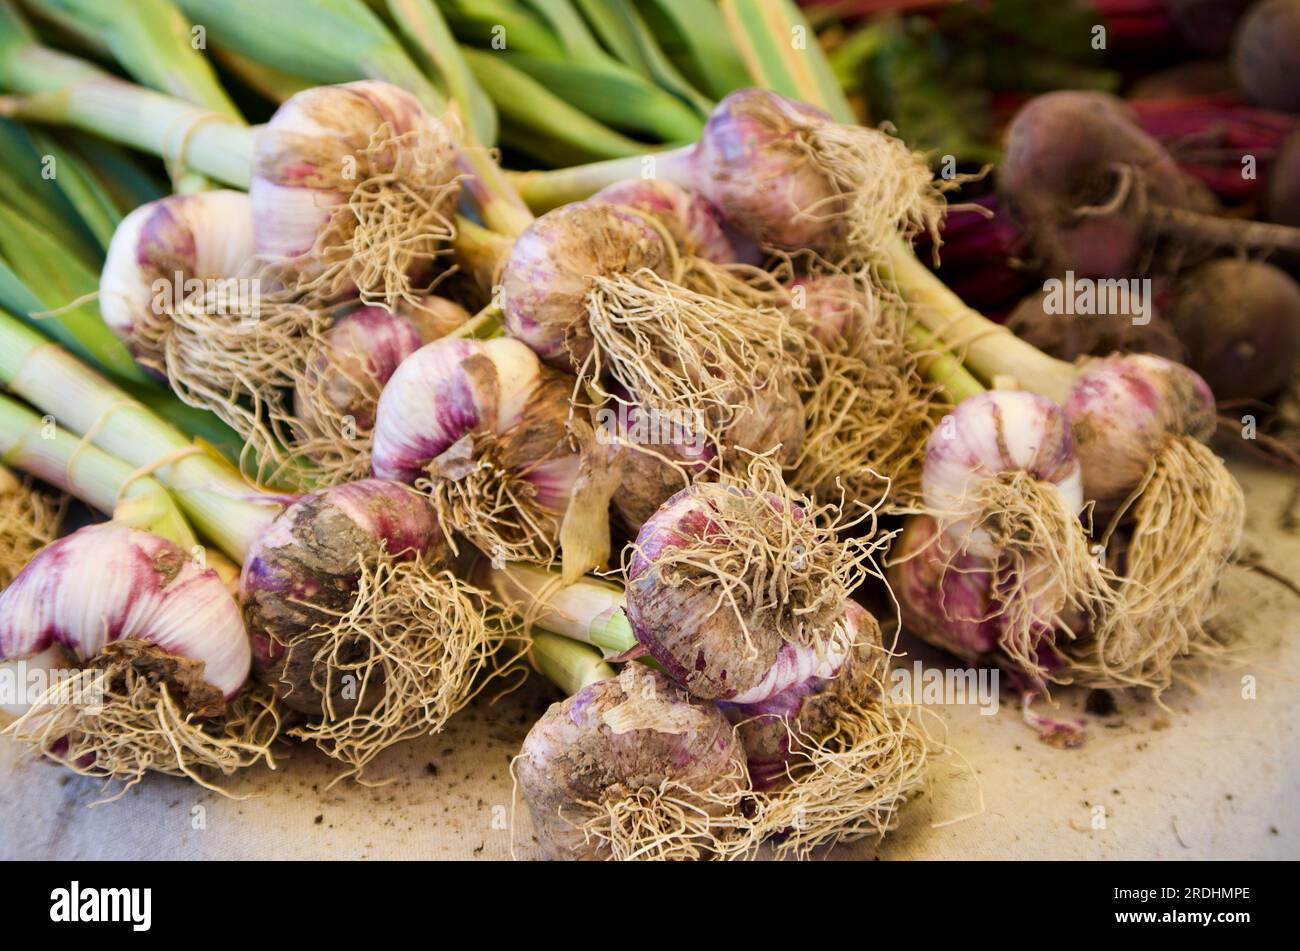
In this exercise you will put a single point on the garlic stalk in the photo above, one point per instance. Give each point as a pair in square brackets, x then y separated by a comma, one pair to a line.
[215, 498]
[42, 450]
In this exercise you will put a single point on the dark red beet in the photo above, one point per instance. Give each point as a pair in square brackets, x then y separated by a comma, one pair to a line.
[1240, 321]
[1093, 193]
[1266, 54]
[1206, 25]
[1064, 151]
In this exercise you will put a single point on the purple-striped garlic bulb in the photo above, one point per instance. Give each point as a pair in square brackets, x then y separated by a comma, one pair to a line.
[695, 223]
[834, 758]
[656, 458]
[337, 395]
[357, 621]
[143, 655]
[596, 289]
[180, 286]
[832, 305]
[486, 431]
[946, 599]
[1003, 483]
[634, 768]
[738, 592]
[551, 274]
[766, 715]
[1140, 423]
[786, 174]
[167, 253]
[354, 190]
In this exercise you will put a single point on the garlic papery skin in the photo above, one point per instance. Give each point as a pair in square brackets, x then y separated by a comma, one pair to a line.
[795, 664]
[353, 189]
[945, 598]
[1123, 409]
[107, 583]
[362, 349]
[990, 435]
[302, 575]
[443, 392]
[166, 252]
[689, 217]
[548, 277]
[765, 723]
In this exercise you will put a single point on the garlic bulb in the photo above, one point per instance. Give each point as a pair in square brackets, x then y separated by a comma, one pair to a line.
[738, 592]
[108, 583]
[788, 175]
[166, 252]
[1124, 410]
[631, 767]
[353, 190]
[486, 431]
[302, 575]
[986, 437]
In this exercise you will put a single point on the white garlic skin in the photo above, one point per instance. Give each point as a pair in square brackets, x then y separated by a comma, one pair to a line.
[110, 582]
[989, 434]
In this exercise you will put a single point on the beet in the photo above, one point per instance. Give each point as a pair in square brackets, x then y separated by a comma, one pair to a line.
[1093, 193]
[1063, 151]
[1240, 321]
[1266, 54]
[1206, 25]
